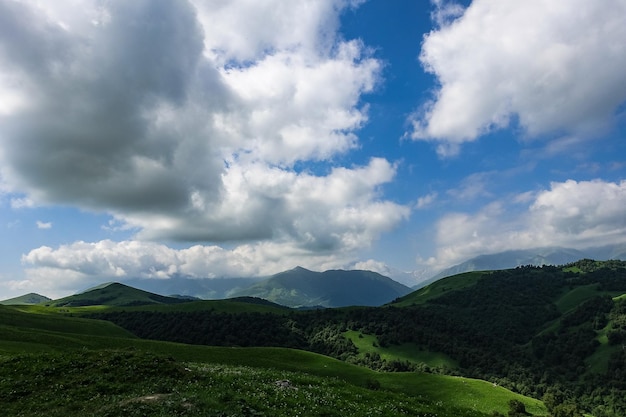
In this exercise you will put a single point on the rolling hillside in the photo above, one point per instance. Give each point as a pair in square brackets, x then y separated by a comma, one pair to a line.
[300, 287]
[114, 294]
[55, 365]
[27, 299]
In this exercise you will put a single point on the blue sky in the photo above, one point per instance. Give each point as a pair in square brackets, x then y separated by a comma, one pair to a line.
[159, 139]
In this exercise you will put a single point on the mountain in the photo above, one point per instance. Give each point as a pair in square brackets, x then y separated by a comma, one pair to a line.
[535, 257]
[114, 294]
[300, 287]
[27, 299]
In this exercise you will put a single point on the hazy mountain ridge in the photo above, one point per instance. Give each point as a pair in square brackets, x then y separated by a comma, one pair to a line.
[296, 288]
[301, 287]
[535, 257]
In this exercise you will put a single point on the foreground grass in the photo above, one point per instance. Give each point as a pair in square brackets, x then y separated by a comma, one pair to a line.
[425, 394]
[137, 383]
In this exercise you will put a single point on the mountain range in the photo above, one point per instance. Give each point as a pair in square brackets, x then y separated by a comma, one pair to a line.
[298, 288]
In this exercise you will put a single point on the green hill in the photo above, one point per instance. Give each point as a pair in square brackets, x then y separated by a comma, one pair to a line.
[27, 299]
[114, 294]
[300, 287]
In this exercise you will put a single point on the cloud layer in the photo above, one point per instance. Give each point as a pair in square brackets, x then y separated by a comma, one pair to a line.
[549, 67]
[572, 214]
[181, 128]
[59, 271]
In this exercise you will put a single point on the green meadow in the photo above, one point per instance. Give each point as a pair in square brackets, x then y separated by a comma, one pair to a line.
[57, 365]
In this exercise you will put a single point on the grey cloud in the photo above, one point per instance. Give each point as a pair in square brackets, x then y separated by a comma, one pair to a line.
[28, 41]
[92, 136]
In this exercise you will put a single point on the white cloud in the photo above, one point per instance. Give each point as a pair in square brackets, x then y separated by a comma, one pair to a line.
[298, 108]
[43, 225]
[339, 211]
[472, 187]
[18, 203]
[551, 66]
[72, 267]
[182, 128]
[570, 214]
[426, 200]
[445, 12]
[241, 31]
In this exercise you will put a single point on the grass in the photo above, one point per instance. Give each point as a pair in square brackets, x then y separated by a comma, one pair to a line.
[131, 383]
[139, 383]
[407, 352]
[35, 317]
[598, 362]
[30, 385]
[464, 393]
[440, 287]
[574, 269]
[225, 306]
[572, 298]
[220, 306]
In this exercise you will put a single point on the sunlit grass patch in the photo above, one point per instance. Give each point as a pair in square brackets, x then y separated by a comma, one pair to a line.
[407, 352]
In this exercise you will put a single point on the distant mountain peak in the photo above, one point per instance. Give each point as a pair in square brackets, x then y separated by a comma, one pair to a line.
[99, 287]
[114, 294]
[26, 299]
[300, 287]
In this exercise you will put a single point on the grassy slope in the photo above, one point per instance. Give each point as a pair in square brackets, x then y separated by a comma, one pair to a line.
[133, 383]
[572, 298]
[129, 301]
[32, 332]
[437, 288]
[236, 305]
[113, 294]
[30, 298]
[408, 352]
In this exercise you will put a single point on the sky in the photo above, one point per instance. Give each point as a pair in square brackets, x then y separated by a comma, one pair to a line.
[160, 139]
